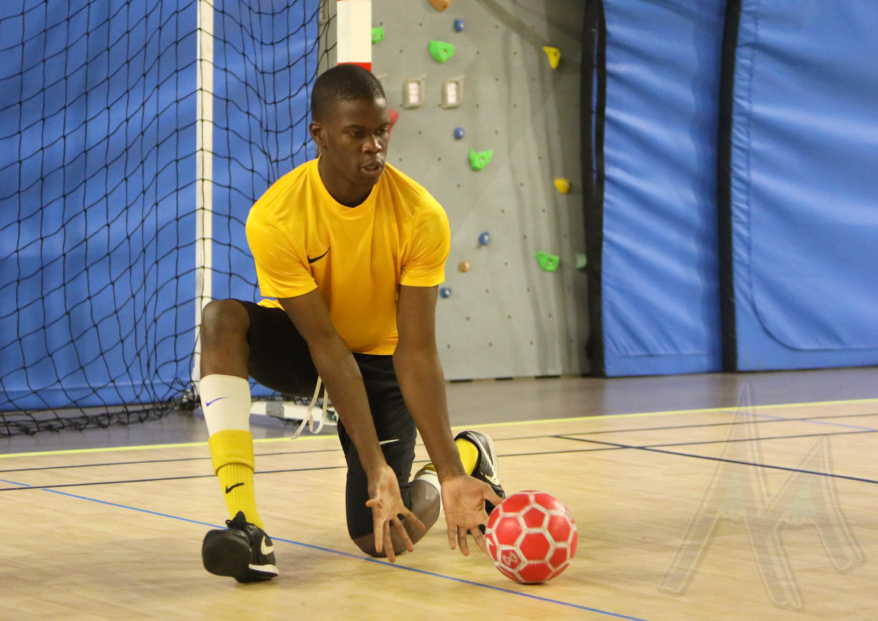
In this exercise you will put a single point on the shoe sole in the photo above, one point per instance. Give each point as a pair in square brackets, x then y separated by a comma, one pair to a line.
[226, 556]
[229, 566]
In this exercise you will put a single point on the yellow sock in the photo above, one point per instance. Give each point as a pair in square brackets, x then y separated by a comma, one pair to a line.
[469, 456]
[233, 462]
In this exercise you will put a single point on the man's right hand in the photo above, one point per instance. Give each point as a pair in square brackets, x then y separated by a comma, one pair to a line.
[336, 365]
[387, 505]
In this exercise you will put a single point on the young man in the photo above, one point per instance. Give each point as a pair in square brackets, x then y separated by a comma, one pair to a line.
[350, 253]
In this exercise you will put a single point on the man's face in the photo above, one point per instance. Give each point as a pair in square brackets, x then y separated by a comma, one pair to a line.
[353, 139]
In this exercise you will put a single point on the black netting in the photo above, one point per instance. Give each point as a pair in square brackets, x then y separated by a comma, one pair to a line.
[98, 123]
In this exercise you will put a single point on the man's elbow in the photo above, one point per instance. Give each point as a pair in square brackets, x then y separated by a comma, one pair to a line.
[415, 354]
[328, 348]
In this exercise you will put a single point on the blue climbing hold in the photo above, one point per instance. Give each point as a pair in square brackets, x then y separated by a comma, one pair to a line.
[459, 25]
[445, 292]
[459, 133]
[484, 238]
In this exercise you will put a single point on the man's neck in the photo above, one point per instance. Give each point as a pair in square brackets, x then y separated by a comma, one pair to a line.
[340, 189]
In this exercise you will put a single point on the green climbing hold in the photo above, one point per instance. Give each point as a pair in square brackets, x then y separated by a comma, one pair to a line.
[441, 51]
[479, 159]
[548, 262]
[377, 34]
[581, 260]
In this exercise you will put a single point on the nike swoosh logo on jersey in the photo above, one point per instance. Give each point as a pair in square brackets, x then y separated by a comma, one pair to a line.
[388, 441]
[215, 400]
[266, 550]
[310, 260]
[228, 489]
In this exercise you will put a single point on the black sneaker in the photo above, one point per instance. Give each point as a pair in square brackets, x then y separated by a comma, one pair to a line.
[243, 551]
[486, 466]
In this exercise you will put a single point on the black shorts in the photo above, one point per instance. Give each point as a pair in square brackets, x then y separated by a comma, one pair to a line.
[280, 360]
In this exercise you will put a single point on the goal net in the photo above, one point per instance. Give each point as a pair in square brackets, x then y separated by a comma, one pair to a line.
[134, 137]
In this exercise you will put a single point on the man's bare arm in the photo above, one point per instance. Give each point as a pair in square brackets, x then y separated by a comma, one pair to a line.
[336, 365]
[420, 376]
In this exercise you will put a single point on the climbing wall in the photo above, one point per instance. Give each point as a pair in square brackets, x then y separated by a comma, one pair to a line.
[505, 316]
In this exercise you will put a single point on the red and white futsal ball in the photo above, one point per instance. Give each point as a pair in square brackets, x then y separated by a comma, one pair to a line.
[531, 537]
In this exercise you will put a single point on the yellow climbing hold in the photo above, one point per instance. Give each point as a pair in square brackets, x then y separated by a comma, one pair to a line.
[563, 185]
[554, 55]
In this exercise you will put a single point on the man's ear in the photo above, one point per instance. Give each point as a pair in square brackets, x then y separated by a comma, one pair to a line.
[317, 134]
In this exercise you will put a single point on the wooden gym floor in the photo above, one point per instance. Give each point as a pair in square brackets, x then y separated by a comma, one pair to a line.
[690, 505]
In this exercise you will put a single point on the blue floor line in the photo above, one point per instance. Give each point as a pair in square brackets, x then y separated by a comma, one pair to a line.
[345, 554]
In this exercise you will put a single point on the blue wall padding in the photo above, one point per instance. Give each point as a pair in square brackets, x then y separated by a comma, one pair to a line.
[660, 297]
[97, 167]
[805, 184]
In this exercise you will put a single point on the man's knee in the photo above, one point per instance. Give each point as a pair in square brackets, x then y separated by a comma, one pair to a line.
[224, 317]
[426, 502]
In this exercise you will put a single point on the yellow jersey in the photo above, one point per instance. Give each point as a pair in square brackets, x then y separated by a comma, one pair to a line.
[303, 239]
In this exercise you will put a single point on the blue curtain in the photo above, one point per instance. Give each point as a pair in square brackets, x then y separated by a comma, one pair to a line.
[802, 213]
[656, 302]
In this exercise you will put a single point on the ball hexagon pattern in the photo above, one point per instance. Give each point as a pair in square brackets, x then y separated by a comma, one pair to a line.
[531, 537]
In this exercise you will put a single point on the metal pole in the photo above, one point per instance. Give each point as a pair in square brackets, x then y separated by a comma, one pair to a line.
[203, 175]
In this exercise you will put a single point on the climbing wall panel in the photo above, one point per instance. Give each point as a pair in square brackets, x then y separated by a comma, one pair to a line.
[505, 316]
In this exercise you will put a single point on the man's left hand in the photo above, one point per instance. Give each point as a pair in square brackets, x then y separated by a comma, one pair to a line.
[463, 498]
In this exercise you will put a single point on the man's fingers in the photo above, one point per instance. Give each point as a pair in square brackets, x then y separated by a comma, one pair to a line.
[388, 544]
[452, 535]
[461, 541]
[492, 496]
[374, 503]
[414, 519]
[379, 536]
[479, 538]
[403, 533]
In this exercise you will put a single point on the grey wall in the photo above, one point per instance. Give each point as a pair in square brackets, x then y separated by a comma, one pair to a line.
[506, 317]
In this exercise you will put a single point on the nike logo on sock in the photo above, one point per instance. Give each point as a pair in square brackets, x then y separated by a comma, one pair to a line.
[214, 401]
[228, 489]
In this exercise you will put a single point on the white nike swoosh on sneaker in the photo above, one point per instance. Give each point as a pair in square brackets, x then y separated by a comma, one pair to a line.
[493, 479]
[268, 569]
[266, 550]
[388, 441]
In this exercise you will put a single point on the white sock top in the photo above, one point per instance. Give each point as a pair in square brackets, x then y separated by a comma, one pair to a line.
[225, 401]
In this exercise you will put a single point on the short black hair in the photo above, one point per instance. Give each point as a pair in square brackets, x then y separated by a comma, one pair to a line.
[347, 82]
